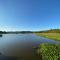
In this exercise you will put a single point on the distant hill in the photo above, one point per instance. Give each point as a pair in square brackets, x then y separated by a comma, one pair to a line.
[46, 31]
[1, 32]
[15, 32]
[20, 32]
[49, 31]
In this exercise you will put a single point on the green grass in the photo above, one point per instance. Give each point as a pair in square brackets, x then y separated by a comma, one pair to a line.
[55, 36]
[49, 51]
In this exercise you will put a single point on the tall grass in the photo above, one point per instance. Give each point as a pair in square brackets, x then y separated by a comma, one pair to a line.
[49, 51]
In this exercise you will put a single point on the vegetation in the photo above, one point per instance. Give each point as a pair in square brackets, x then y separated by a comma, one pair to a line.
[51, 34]
[15, 32]
[49, 31]
[49, 51]
[54, 36]
[2, 32]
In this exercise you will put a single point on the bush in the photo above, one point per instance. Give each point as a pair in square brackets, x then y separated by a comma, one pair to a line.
[49, 51]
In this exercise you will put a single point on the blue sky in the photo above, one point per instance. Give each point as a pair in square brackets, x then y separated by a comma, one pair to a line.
[33, 15]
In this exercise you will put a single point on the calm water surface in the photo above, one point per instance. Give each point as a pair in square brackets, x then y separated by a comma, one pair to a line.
[21, 45]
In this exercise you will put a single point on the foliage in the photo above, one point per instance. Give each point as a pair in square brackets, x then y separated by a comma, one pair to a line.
[49, 31]
[2, 32]
[50, 51]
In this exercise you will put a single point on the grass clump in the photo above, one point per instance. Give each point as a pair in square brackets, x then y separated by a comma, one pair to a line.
[49, 51]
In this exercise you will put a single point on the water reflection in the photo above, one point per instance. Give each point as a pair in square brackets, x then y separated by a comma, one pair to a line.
[0, 35]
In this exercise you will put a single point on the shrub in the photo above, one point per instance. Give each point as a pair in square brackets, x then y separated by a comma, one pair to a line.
[49, 51]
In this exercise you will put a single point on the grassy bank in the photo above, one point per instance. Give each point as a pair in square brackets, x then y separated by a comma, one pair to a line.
[49, 51]
[55, 36]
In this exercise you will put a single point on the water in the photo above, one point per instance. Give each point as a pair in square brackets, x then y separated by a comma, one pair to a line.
[21, 45]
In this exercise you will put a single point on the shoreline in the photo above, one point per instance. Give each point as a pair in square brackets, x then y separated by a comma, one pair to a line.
[54, 36]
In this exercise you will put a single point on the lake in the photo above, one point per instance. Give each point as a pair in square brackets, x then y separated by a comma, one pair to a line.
[21, 45]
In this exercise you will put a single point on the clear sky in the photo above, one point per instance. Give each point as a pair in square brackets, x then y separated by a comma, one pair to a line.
[29, 14]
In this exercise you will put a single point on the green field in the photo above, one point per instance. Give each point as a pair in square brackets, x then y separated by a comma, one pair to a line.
[49, 51]
[55, 36]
